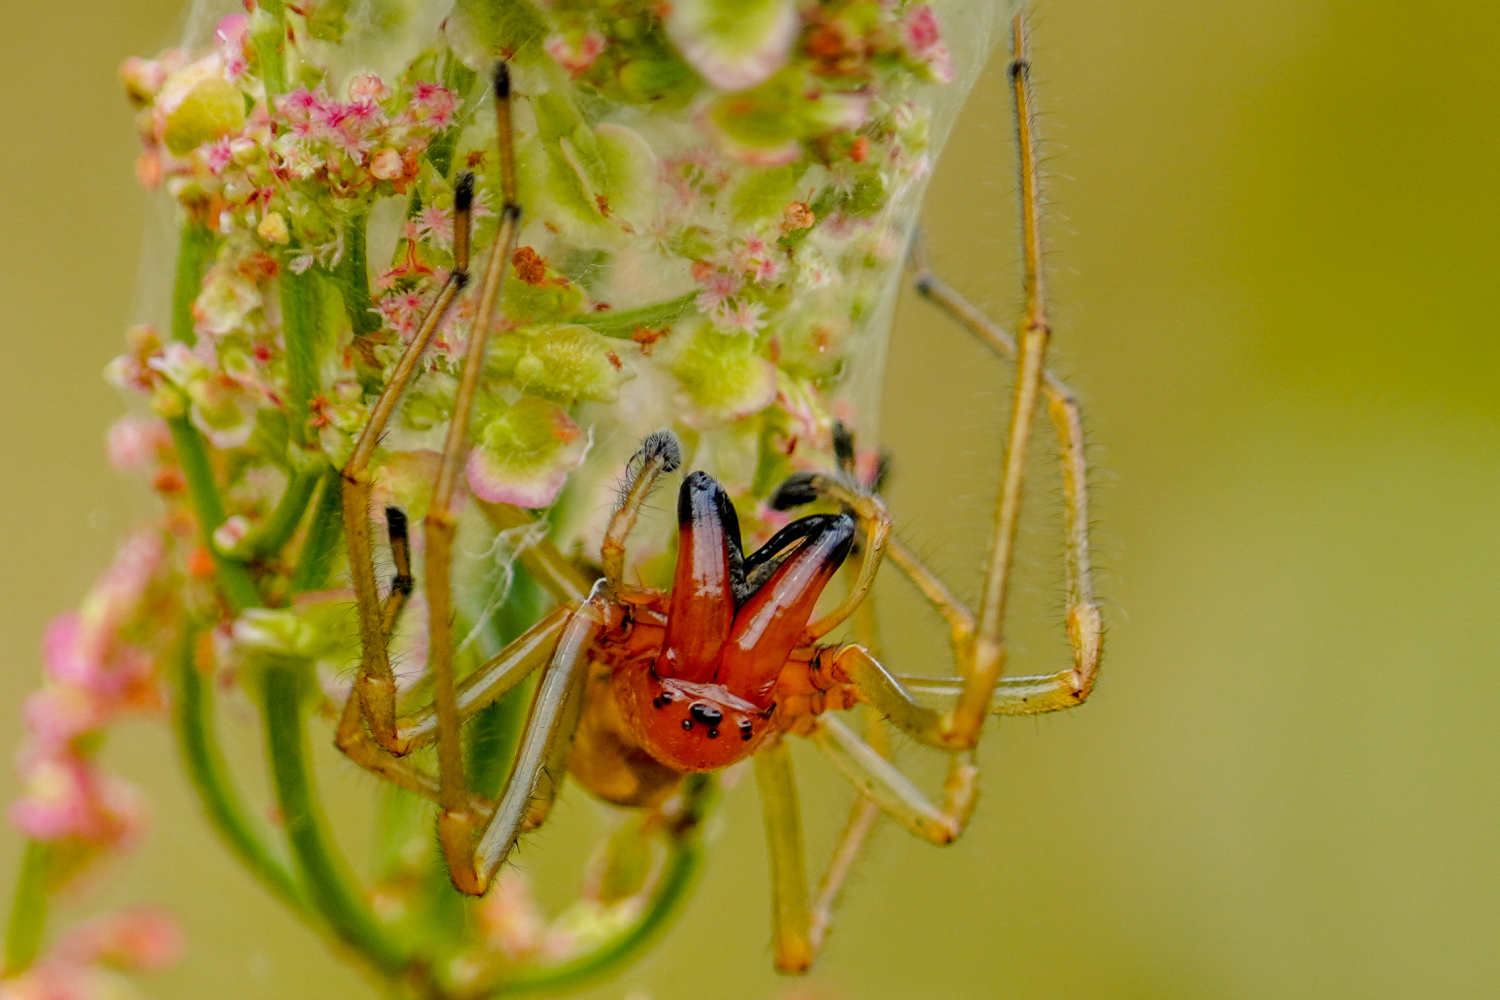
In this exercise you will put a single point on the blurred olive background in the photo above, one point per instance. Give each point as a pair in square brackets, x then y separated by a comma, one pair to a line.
[1273, 231]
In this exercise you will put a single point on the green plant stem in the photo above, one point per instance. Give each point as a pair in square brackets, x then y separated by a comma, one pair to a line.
[278, 529]
[299, 329]
[192, 717]
[193, 253]
[270, 47]
[330, 888]
[623, 324]
[28, 909]
[315, 562]
[680, 870]
[353, 278]
[234, 577]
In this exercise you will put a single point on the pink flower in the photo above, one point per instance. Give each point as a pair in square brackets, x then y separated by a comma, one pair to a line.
[217, 156]
[512, 923]
[232, 34]
[134, 443]
[435, 226]
[138, 939]
[923, 40]
[298, 109]
[58, 714]
[718, 286]
[431, 106]
[368, 87]
[746, 316]
[386, 165]
[575, 54]
[920, 29]
[86, 962]
[143, 78]
[64, 796]
[402, 311]
[758, 259]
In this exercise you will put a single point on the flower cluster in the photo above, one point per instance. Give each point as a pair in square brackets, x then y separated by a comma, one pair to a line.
[89, 961]
[96, 669]
[714, 209]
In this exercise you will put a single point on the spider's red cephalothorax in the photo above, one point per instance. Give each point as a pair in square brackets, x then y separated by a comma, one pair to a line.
[708, 699]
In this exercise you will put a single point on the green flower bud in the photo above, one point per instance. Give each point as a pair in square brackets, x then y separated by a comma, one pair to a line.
[212, 109]
[724, 374]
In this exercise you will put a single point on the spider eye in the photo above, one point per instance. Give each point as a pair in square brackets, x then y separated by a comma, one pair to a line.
[706, 715]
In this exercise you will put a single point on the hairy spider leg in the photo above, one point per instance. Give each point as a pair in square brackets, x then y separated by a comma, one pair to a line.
[988, 660]
[494, 678]
[542, 756]
[376, 684]
[865, 814]
[659, 453]
[1085, 624]
[978, 649]
[456, 822]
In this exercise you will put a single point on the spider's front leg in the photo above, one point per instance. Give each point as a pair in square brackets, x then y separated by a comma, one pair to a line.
[978, 645]
[376, 684]
[541, 758]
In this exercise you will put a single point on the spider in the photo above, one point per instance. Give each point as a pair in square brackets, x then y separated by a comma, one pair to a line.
[640, 687]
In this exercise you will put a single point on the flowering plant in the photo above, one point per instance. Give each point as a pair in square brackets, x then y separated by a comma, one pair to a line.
[717, 197]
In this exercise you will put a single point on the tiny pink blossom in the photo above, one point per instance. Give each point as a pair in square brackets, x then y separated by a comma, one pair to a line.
[137, 939]
[64, 796]
[134, 442]
[402, 311]
[431, 106]
[717, 287]
[435, 226]
[233, 36]
[512, 923]
[233, 531]
[368, 87]
[575, 54]
[217, 155]
[920, 29]
[143, 78]
[58, 714]
[298, 107]
[746, 316]
[923, 39]
[387, 165]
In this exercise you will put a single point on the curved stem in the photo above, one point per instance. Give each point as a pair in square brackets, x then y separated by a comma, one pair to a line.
[299, 329]
[352, 277]
[282, 523]
[314, 564]
[28, 910]
[684, 836]
[192, 718]
[270, 41]
[193, 253]
[331, 889]
[234, 578]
